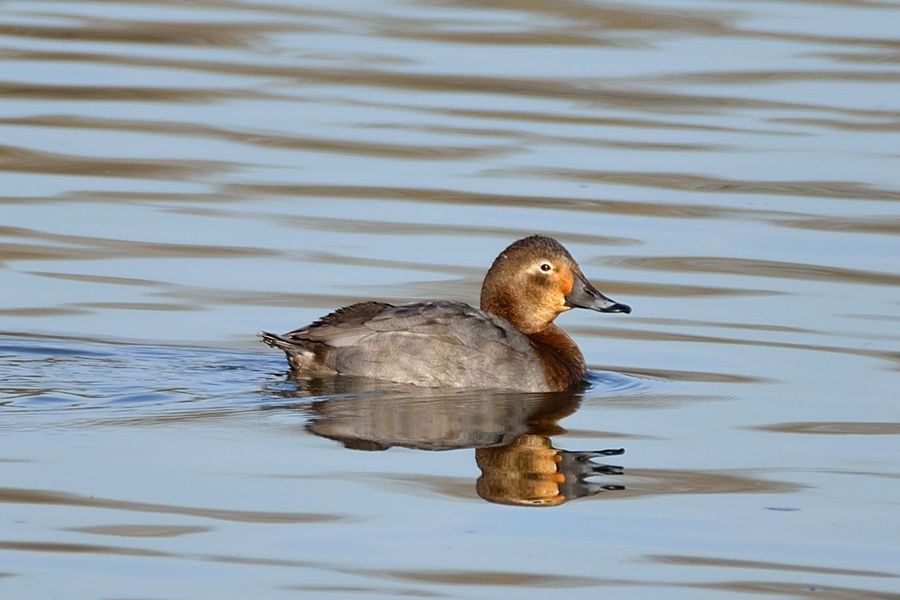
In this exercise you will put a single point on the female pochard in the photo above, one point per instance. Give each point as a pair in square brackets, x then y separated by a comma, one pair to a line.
[509, 343]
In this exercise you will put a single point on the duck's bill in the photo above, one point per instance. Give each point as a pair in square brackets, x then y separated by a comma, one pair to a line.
[585, 295]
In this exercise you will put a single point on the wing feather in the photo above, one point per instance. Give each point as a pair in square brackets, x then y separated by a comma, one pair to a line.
[426, 343]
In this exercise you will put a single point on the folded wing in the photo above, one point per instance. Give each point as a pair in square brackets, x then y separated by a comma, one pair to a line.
[429, 343]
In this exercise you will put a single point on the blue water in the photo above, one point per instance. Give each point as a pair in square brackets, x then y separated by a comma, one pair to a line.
[176, 176]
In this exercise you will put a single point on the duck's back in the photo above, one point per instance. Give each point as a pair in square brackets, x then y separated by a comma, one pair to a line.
[439, 343]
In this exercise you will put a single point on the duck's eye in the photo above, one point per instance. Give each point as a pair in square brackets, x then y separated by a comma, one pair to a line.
[546, 267]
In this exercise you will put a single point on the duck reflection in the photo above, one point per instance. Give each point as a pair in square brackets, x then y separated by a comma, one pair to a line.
[510, 432]
[531, 472]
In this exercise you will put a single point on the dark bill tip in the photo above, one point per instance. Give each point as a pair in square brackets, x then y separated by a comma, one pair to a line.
[617, 307]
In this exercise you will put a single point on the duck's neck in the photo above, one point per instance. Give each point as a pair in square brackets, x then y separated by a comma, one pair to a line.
[527, 318]
[562, 360]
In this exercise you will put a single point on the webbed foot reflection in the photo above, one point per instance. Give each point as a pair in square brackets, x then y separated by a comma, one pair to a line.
[510, 433]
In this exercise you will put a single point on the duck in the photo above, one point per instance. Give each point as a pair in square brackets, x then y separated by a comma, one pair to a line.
[509, 343]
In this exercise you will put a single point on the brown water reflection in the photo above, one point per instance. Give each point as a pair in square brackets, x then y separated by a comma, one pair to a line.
[252, 138]
[59, 498]
[795, 590]
[179, 174]
[697, 183]
[858, 225]
[713, 561]
[88, 248]
[30, 161]
[614, 96]
[759, 268]
[239, 34]
[830, 428]
[456, 197]
[50, 91]
[890, 356]
[141, 530]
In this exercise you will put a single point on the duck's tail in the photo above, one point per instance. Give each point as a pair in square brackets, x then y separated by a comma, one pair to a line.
[277, 341]
[301, 354]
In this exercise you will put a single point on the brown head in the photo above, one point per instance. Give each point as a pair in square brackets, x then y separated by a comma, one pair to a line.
[534, 280]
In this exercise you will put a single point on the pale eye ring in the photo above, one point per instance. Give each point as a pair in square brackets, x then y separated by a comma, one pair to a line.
[546, 267]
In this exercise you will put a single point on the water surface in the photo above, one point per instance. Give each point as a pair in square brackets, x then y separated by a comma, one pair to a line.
[179, 175]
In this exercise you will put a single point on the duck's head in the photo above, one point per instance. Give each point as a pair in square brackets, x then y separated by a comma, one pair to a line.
[534, 279]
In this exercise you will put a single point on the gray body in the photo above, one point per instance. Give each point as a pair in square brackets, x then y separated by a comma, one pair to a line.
[440, 343]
